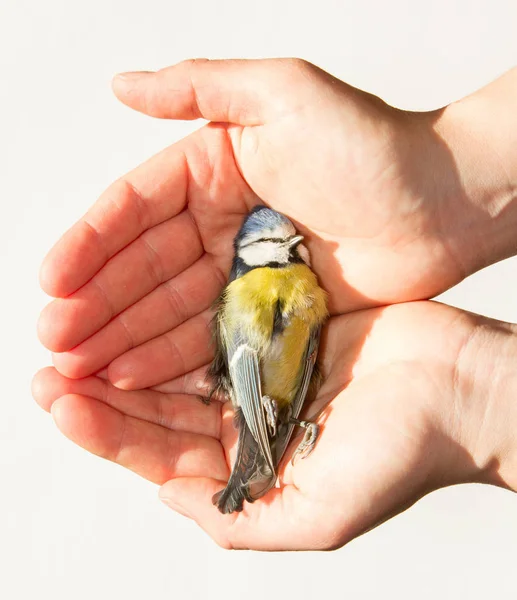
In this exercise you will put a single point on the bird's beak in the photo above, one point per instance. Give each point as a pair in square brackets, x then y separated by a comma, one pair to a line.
[294, 241]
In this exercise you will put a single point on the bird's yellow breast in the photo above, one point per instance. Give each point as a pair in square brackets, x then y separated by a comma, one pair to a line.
[250, 304]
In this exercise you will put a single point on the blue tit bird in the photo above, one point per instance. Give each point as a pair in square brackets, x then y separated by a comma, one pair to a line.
[267, 329]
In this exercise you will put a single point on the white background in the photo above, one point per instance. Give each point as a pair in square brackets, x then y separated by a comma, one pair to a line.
[75, 527]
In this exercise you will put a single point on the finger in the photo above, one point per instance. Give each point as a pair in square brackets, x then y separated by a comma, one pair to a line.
[166, 357]
[150, 450]
[169, 305]
[192, 497]
[178, 412]
[193, 382]
[245, 92]
[157, 255]
[197, 382]
[282, 520]
[148, 195]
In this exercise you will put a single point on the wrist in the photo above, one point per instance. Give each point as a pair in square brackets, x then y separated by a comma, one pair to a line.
[479, 133]
[483, 418]
[497, 438]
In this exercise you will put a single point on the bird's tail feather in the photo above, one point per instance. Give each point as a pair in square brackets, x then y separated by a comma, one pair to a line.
[251, 477]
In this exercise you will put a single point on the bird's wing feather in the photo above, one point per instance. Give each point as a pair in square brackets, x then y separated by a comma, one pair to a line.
[296, 407]
[245, 376]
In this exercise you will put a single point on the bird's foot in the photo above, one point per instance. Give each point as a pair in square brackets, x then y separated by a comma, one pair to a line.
[271, 409]
[309, 439]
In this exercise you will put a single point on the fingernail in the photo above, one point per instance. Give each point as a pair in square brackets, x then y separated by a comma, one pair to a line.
[175, 506]
[132, 75]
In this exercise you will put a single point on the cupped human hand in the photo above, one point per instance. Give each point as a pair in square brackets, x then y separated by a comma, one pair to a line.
[401, 411]
[375, 188]
[136, 276]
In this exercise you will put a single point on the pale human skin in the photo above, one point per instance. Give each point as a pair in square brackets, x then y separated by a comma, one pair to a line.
[395, 206]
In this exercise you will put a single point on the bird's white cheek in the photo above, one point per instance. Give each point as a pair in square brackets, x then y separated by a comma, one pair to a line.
[262, 253]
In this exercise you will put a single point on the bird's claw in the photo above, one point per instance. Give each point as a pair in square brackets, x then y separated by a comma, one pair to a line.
[309, 440]
[271, 409]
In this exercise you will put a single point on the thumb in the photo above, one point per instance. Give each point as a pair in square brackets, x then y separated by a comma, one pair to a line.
[244, 92]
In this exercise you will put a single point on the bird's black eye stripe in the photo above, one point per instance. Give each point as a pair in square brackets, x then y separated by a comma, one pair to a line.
[271, 240]
[264, 239]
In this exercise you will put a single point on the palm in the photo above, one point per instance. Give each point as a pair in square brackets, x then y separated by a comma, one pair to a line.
[379, 409]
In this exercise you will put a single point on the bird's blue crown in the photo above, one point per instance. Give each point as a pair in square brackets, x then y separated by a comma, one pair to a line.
[263, 219]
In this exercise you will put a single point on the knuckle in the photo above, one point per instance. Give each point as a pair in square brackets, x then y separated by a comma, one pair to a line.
[298, 64]
[223, 541]
[192, 63]
[301, 67]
